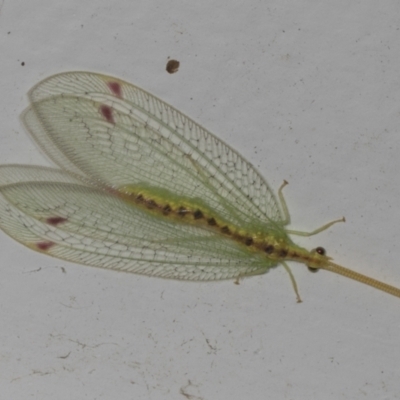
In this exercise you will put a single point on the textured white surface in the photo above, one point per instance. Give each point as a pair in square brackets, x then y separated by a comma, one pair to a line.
[307, 92]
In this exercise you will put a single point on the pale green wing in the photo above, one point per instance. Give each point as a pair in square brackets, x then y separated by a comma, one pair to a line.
[117, 134]
[16, 173]
[53, 212]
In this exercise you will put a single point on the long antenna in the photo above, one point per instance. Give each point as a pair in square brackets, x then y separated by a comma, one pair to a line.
[338, 269]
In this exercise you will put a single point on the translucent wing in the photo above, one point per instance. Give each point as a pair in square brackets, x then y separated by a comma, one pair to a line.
[116, 134]
[55, 212]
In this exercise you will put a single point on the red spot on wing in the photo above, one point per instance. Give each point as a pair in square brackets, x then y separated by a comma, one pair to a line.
[55, 220]
[115, 88]
[44, 246]
[107, 113]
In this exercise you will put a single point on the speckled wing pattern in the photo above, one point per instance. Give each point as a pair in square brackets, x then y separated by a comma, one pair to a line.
[105, 134]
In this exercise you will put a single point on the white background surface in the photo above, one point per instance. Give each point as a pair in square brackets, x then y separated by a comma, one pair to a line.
[307, 91]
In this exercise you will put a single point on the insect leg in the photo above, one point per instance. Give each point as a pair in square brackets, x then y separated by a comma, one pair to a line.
[294, 284]
[285, 209]
[318, 230]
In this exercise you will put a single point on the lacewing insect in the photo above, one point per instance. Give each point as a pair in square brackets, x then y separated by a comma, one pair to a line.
[142, 188]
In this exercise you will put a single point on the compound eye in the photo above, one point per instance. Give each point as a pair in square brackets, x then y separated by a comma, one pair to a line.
[321, 251]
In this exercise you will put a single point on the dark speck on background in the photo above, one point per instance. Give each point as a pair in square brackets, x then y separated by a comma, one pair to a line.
[172, 66]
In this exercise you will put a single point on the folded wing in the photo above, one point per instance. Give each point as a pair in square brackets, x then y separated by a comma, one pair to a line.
[56, 213]
[116, 134]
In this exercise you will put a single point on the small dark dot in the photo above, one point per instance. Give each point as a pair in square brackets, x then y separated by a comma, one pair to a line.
[212, 222]
[248, 241]
[23, 63]
[172, 66]
[283, 253]
[321, 251]
[182, 211]
[166, 209]
[313, 270]
[226, 230]
[269, 249]
[139, 197]
[198, 214]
